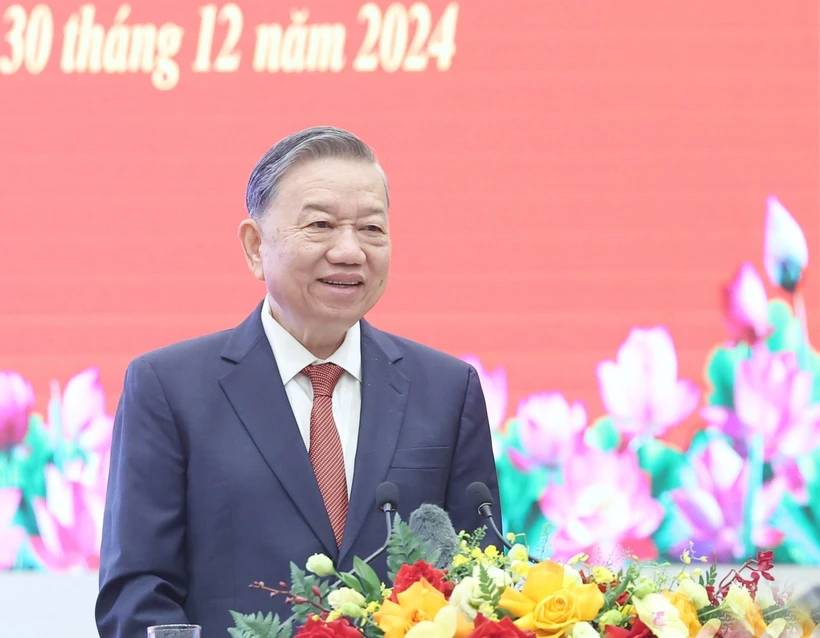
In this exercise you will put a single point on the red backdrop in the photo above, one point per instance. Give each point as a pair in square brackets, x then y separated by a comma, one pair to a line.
[581, 168]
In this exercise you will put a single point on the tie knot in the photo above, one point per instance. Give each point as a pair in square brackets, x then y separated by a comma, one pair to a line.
[323, 377]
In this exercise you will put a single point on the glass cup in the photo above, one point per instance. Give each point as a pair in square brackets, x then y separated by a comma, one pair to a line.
[175, 631]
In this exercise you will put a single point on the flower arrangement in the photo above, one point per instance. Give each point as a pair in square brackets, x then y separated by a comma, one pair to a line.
[487, 593]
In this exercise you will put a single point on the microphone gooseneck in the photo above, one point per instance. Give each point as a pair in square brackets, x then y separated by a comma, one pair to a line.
[480, 498]
[387, 498]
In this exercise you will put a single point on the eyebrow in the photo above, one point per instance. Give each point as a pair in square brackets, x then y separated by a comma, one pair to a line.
[322, 207]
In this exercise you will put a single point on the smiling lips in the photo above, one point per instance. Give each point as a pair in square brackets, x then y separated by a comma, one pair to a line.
[343, 280]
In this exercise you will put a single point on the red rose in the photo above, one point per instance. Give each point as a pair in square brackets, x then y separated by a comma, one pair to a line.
[504, 628]
[638, 630]
[409, 574]
[337, 629]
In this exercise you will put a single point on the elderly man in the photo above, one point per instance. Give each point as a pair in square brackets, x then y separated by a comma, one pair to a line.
[238, 452]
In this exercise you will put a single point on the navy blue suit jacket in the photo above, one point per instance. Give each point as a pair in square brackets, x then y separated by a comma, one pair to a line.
[211, 487]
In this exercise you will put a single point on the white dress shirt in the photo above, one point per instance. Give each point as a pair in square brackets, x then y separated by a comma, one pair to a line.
[292, 357]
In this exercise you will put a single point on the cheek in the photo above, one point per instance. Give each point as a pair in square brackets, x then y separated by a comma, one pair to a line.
[378, 258]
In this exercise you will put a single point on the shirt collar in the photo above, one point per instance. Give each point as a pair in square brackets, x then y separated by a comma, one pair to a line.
[292, 357]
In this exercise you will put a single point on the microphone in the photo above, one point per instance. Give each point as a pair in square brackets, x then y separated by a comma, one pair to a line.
[432, 524]
[387, 498]
[479, 497]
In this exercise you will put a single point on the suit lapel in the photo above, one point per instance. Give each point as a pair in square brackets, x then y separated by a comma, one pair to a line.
[255, 390]
[384, 398]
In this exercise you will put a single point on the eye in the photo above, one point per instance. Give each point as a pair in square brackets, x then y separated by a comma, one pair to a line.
[321, 224]
[372, 228]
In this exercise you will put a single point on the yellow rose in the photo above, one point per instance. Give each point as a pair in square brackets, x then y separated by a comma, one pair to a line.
[686, 610]
[547, 606]
[421, 602]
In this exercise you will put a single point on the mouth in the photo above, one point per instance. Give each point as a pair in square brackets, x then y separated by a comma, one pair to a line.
[341, 284]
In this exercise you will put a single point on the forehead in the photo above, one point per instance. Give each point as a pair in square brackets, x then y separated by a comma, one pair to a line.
[335, 180]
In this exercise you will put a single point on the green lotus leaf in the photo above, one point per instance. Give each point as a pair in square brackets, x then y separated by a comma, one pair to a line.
[664, 464]
[603, 435]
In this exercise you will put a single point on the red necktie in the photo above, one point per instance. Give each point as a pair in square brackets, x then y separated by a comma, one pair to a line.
[326, 446]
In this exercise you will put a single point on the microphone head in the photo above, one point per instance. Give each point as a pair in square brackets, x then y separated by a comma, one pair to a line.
[478, 494]
[387, 492]
[432, 524]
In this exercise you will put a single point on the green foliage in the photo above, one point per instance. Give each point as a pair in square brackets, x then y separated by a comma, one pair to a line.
[709, 579]
[520, 491]
[301, 584]
[787, 331]
[405, 548]
[351, 581]
[664, 464]
[802, 535]
[490, 591]
[371, 582]
[720, 373]
[603, 435]
[625, 580]
[258, 626]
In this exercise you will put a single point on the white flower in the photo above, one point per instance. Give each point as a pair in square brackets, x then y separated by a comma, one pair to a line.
[582, 630]
[466, 597]
[320, 565]
[571, 576]
[738, 601]
[660, 616]
[345, 595]
[496, 574]
[694, 591]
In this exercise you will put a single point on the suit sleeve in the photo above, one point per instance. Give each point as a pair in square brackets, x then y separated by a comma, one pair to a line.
[473, 460]
[142, 559]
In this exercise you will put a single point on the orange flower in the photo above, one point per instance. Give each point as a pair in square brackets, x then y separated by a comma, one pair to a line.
[686, 610]
[546, 606]
[420, 602]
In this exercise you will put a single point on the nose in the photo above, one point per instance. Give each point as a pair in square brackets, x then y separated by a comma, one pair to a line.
[346, 248]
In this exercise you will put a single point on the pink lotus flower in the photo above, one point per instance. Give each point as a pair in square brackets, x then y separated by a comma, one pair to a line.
[772, 398]
[82, 412]
[713, 505]
[746, 306]
[785, 251]
[641, 389]
[550, 430]
[69, 520]
[16, 401]
[605, 505]
[11, 537]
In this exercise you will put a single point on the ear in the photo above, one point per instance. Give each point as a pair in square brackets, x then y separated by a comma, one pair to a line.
[250, 235]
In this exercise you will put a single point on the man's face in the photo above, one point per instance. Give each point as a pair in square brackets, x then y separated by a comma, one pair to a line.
[324, 248]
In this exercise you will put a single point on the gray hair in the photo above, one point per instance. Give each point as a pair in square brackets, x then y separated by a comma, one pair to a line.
[314, 143]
